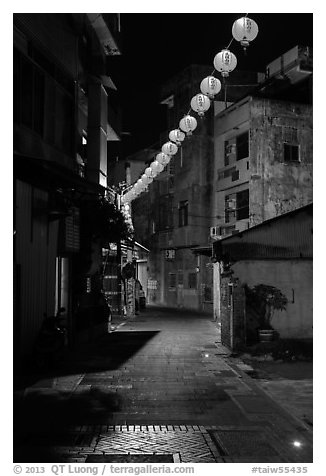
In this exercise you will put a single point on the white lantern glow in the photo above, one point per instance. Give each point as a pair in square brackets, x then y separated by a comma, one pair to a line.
[177, 136]
[244, 30]
[210, 86]
[145, 179]
[149, 172]
[156, 167]
[200, 104]
[163, 159]
[188, 124]
[225, 62]
[169, 148]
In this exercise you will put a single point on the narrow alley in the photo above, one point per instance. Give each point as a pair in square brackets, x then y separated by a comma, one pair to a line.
[160, 384]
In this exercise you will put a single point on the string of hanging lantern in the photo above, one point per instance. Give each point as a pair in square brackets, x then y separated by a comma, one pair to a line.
[244, 30]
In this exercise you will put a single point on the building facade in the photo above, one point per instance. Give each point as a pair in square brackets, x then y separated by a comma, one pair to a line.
[263, 146]
[173, 217]
[62, 121]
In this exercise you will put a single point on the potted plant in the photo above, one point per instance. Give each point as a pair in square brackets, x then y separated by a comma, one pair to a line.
[269, 299]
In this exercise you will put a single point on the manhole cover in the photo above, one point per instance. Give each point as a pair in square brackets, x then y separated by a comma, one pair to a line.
[132, 458]
[242, 443]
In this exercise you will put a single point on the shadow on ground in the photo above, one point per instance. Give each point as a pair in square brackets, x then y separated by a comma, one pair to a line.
[43, 413]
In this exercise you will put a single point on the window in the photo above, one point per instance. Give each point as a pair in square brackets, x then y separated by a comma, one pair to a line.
[229, 150]
[237, 206]
[183, 213]
[291, 152]
[165, 215]
[230, 208]
[172, 280]
[192, 280]
[243, 146]
[243, 204]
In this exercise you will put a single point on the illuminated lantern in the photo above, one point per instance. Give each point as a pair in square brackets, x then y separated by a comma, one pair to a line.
[177, 136]
[145, 179]
[169, 148]
[188, 124]
[141, 185]
[163, 159]
[225, 62]
[244, 30]
[210, 86]
[156, 167]
[200, 104]
[149, 172]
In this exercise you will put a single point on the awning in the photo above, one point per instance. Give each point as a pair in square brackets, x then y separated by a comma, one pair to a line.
[203, 250]
[47, 175]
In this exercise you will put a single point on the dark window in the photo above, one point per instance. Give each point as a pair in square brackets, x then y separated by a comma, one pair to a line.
[27, 93]
[183, 213]
[16, 86]
[291, 152]
[38, 103]
[229, 150]
[192, 280]
[243, 204]
[235, 175]
[242, 146]
[165, 215]
[230, 208]
[172, 280]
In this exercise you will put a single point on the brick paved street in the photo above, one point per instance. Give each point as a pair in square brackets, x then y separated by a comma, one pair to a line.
[160, 383]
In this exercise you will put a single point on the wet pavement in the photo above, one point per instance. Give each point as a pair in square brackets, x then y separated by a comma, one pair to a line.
[160, 383]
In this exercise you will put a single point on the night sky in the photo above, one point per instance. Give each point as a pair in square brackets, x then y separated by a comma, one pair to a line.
[157, 46]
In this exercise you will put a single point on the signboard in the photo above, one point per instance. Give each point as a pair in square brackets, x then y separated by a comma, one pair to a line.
[170, 254]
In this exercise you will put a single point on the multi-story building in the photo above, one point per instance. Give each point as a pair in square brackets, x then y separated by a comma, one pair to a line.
[174, 216]
[62, 121]
[263, 152]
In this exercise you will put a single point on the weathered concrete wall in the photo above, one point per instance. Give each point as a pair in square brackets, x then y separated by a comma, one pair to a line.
[277, 187]
[294, 278]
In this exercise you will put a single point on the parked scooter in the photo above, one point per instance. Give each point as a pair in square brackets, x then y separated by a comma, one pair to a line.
[51, 341]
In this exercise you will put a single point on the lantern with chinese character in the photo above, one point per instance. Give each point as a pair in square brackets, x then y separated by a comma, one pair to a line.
[225, 62]
[163, 159]
[188, 124]
[145, 179]
[177, 136]
[210, 86]
[149, 172]
[200, 104]
[156, 167]
[244, 30]
[169, 148]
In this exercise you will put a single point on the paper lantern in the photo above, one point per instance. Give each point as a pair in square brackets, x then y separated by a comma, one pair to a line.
[163, 158]
[149, 172]
[177, 136]
[169, 148]
[200, 104]
[210, 86]
[188, 124]
[244, 30]
[225, 62]
[156, 167]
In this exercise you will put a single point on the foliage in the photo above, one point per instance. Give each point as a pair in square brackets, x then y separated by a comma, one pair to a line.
[104, 221]
[266, 299]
